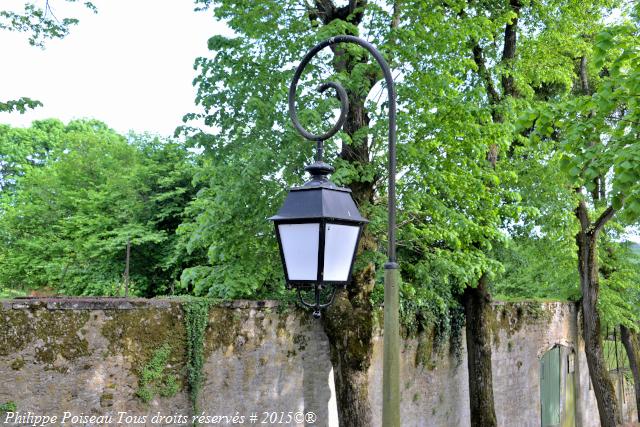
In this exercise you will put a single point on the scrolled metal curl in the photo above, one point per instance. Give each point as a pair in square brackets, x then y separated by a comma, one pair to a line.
[344, 107]
[341, 92]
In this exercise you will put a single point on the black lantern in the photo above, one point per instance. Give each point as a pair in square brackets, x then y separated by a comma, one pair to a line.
[318, 229]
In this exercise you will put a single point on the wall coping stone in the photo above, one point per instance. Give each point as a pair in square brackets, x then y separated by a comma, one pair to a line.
[115, 303]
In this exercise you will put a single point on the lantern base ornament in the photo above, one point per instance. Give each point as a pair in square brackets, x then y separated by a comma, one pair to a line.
[317, 304]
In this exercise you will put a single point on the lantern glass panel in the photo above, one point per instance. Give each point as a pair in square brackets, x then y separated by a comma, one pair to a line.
[339, 249]
[300, 247]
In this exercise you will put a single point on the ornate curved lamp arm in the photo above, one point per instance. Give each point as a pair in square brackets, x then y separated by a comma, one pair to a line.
[344, 107]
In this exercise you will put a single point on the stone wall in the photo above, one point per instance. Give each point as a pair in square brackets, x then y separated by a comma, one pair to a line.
[88, 356]
[434, 387]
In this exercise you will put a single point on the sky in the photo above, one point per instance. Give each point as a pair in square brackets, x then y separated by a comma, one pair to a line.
[130, 65]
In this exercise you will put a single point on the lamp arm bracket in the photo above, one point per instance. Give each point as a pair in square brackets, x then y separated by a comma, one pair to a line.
[344, 108]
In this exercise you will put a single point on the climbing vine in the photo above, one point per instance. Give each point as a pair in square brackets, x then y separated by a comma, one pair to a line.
[196, 317]
[455, 334]
[154, 380]
[9, 406]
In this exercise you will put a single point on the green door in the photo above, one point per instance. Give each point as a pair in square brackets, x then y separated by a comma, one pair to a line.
[550, 388]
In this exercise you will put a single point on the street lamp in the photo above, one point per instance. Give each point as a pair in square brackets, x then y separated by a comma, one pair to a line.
[314, 254]
[318, 229]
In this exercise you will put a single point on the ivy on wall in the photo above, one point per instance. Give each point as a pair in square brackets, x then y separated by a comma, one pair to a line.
[9, 406]
[196, 317]
[154, 380]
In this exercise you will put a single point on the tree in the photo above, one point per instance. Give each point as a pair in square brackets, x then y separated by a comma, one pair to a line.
[596, 127]
[40, 24]
[477, 66]
[69, 211]
[22, 149]
[257, 155]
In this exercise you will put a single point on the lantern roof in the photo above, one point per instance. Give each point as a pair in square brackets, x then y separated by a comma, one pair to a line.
[319, 198]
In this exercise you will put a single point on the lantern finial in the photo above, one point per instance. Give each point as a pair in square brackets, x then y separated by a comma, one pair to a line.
[319, 171]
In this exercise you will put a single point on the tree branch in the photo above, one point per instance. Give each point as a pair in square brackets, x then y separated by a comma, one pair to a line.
[602, 220]
[584, 79]
[483, 72]
[582, 213]
[509, 50]
[395, 20]
[478, 58]
[326, 10]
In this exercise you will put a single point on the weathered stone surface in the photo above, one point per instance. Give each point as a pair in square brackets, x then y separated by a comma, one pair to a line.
[261, 361]
[86, 355]
[434, 392]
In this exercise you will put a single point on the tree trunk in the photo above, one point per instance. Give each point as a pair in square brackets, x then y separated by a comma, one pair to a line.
[477, 310]
[349, 326]
[477, 301]
[589, 283]
[352, 387]
[349, 321]
[632, 346]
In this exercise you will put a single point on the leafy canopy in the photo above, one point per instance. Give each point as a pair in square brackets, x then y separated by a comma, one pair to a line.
[76, 194]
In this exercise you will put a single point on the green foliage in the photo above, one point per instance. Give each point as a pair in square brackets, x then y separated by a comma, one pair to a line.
[39, 23]
[74, 195]
[153, 378]
[196, 318]
[460, 218]
[598, 132]
[620, 278]
[528, 275]
[11, 293]
[9, 406]
[587, 139]
[20, 105]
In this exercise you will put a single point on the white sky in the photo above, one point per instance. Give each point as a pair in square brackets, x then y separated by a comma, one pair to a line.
[130, 65]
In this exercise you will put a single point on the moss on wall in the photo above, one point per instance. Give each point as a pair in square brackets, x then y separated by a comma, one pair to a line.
[223, 329]
[54, 334]
[17, 364]
[16, 332]
[138, 333]
[425, 349]
[512, 317]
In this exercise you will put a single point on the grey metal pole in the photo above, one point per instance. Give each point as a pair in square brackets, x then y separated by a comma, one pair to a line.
[391, 356]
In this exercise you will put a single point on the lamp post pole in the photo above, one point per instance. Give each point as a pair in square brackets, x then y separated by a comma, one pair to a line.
[391, 358]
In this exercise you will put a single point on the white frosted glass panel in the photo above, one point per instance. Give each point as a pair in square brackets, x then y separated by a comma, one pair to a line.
[339, 245]
[300, 247]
